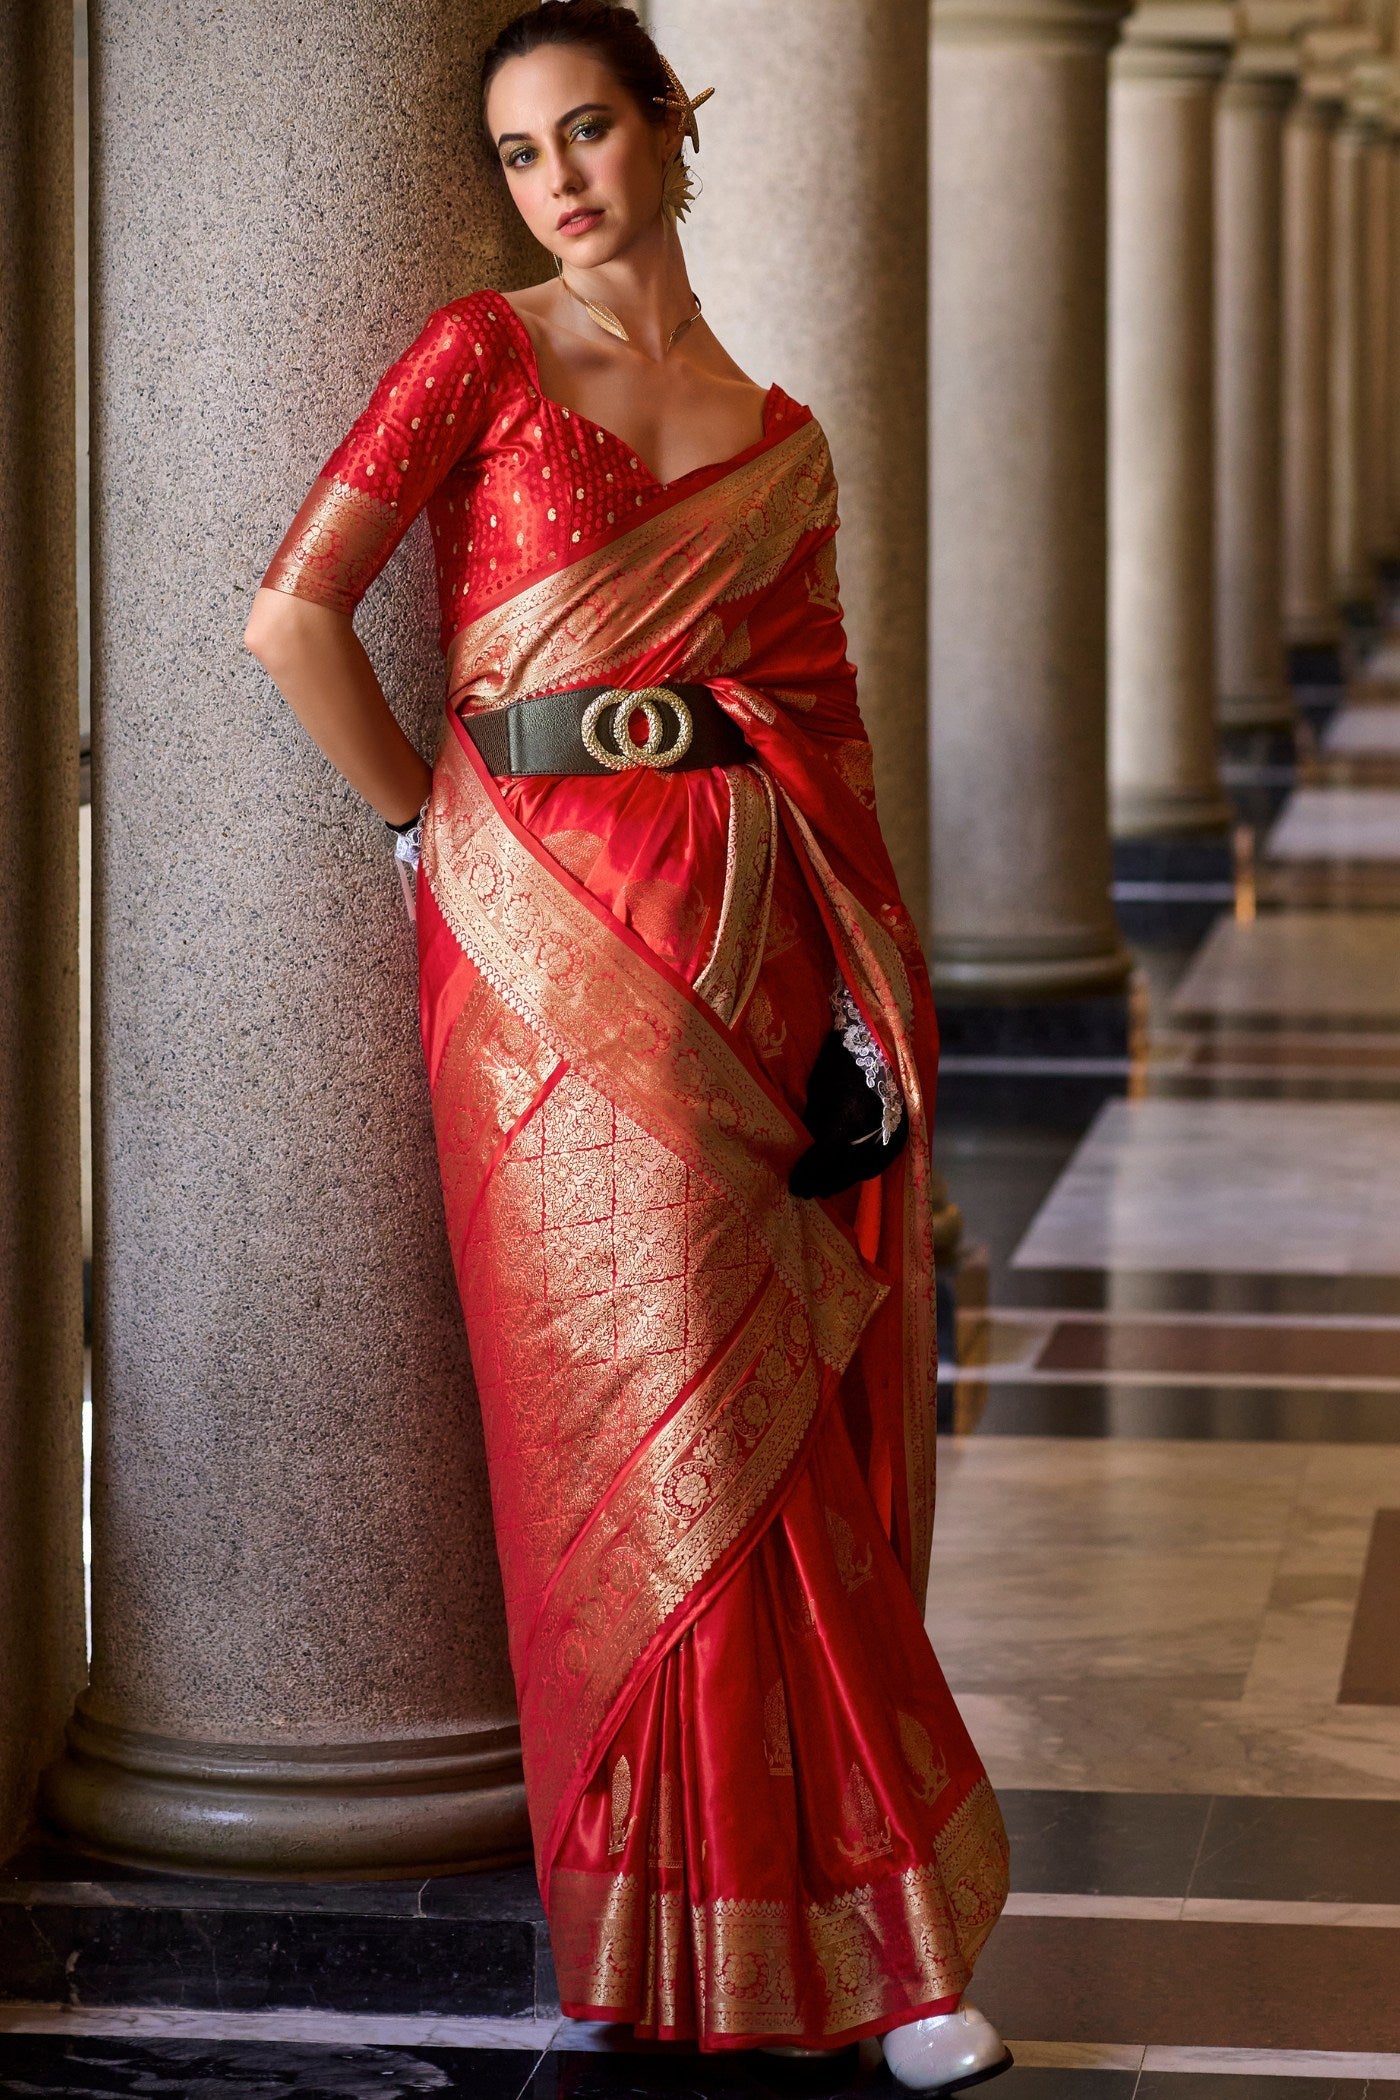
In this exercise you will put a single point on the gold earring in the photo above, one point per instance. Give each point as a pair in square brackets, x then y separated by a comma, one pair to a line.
[677, 188]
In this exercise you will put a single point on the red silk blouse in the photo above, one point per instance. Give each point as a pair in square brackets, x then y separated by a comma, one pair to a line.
[515, 486]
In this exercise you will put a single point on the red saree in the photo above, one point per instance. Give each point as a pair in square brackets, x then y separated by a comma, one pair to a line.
[709, 1407]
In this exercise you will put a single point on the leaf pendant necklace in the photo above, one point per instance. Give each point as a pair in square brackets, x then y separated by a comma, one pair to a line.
[608, 321]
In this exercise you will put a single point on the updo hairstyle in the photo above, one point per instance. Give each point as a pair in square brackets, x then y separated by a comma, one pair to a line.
[614, 34]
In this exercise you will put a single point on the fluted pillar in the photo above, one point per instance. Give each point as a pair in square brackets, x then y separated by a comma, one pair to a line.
[1253, 689]
[1375, 82]
[1310, 619]
[299, 1663]
[41, 1320]
[1021, 903]
[1353, 579]
[826, 292]
[1162, 732]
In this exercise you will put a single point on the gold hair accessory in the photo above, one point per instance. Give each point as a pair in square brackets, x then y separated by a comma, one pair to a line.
[678, 187]
[608, 321]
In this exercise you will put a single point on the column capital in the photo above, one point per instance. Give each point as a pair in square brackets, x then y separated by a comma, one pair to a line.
[1176, 39]
[1270, 47]
[1373, 96]
[1328, 54]
[1210, 24]
[1048, 22]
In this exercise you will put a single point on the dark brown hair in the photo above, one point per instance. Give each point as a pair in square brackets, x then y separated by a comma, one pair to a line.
[614, 34]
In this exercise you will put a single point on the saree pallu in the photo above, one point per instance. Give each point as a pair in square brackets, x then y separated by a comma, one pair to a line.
[708, 1406]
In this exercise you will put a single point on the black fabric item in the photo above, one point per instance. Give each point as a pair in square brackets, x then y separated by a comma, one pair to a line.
[843, 1115]
[544, 733]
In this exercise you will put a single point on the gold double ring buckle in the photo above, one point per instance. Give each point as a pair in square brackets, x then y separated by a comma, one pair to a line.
[648, 703]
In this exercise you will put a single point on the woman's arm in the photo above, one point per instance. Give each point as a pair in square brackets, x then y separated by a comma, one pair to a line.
[317, 661]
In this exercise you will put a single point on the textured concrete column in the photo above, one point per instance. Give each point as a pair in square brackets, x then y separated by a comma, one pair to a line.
[41, 1319]
[1162, 734]
[1021, 903]
[1353, 580]
[820, 282]
[1253, 689]
[1309, 611]
[299, 1661]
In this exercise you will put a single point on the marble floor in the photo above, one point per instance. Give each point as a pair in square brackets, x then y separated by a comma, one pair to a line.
[1166, 1575]
[1165, 1583]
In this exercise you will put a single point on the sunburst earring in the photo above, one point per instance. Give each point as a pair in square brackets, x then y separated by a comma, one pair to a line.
[677, 188]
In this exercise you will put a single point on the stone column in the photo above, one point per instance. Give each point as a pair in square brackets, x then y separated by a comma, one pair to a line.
[41, 1317]
[1253, 689]
[1310, 621]
[1382, 536]
[1162, 734]
[299, 1663]
[1393, 458]
[1353, 580]
[1375, 83]
[1021, 899]
[820, 282]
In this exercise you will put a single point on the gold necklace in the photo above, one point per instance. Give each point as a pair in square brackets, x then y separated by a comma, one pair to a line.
[608, 321]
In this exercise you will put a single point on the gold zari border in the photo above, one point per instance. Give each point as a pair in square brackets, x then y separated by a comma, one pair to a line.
[882, 1950]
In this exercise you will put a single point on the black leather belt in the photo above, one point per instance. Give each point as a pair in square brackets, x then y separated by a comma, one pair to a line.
[590, 730]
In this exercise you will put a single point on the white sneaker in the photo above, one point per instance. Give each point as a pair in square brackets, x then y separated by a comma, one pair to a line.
[946, 2051]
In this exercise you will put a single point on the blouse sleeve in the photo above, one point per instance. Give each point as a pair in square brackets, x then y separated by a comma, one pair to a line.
[424, 415]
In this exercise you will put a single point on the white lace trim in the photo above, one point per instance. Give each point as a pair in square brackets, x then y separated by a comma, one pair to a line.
[862, 1046]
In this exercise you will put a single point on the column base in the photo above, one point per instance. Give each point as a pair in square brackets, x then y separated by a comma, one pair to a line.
[342, 1811]
[1173, 887]
[1006, 971]
[1039, 1031]
[1148, 814]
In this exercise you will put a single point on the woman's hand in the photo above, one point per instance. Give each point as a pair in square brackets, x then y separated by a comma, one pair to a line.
[318, 663]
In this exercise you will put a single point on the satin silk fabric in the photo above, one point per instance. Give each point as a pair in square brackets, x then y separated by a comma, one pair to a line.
[709, 1408]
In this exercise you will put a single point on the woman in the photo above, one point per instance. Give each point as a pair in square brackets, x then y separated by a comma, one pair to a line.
[677, 1029]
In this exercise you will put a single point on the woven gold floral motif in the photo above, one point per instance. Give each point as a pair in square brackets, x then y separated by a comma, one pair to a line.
[868, 1834]
[929, 1769]
[855, 1563]
[744, 1959]
[777, 1736]
[620, 1827]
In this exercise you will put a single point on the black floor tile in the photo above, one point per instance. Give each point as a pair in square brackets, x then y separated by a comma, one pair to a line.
[1028, 2084]
[1103, 1844]
[1196, 1290]
[507, 1892]
[200, 1959]
[685, 2074]
[100, 2069]
[1198, 1414]
[1301, 1851]
[1200, 2085]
